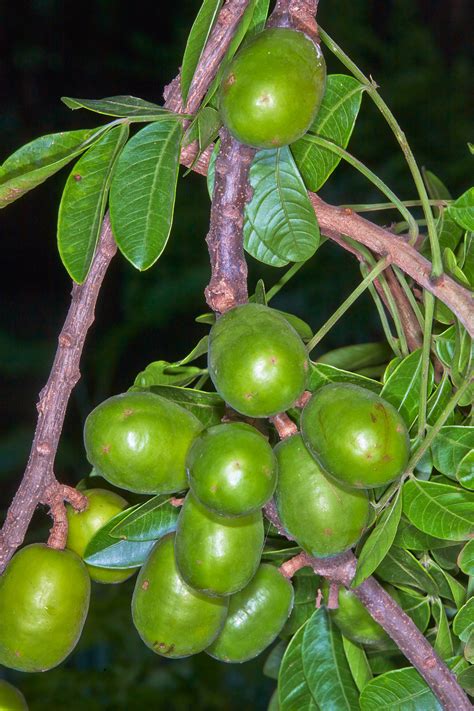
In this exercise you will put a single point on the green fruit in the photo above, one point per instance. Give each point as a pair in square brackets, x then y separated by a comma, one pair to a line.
[171, 618]
[257, 361]
[83, 525]
[11, 698]
[256, 616]
[215, 554]
[271, 91]
[44, 599]
[232, 469]
[353, 619]
[324, 517]
[139, 441]
[356, 436]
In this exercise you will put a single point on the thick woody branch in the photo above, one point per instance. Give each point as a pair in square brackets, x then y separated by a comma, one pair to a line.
[228, 285]
[39, 483]
[297, 14]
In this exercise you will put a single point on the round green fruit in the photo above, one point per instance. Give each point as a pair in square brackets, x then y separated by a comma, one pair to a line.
[216, 554]
[353, 619]
[83, 525]
[139, 442]
[171, 618]
[356, 436]
[324, 517]
[256, 616]
[44, 600]
[232, 469]
[257, 361]
[272, 90]
[11, 698]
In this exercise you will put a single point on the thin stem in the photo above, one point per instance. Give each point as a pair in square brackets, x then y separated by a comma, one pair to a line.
[373, 274]
[409, 294]
[289, 274]
[377, 206]
[425, 362]
[437, 263]
[370, 175]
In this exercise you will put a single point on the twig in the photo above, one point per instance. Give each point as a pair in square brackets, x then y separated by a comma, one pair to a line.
[228, 285]
[284, 425]
[39, 478]
[290, 567]
[298, 14]
[55, 496]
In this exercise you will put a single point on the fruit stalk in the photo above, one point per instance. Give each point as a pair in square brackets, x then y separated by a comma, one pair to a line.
[297, 14]
[39, 476]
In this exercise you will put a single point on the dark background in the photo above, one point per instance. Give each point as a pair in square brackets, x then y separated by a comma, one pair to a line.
[417, 51]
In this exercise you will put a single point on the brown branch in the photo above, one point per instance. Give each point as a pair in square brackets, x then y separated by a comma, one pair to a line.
[284, 425]
[298, 14]
[55, 496]
[39, 477]
[290, 567]
[228, 285]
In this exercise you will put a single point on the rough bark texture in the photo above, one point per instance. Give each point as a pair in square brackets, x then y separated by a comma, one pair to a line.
[39, 483]
[228, 285]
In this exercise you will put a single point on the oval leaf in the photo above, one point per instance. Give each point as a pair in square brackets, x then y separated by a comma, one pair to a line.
[83, 203]
[209, 408]
[400, 567]
[450, 446]
[105, 551]
[402, 387]
[143, 191]
[293, 691]
[280, 224]
[438, 509]
[325, 665]
[462, 211]
[120, 106]
[148, 522]
[322, 374]
[399, 690]
[466, 558]
[33, 163]
[379, 542]
[197, 39]
[335, 120]
[358, 664]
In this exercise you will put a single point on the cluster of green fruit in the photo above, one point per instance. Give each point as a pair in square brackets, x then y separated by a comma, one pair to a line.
[204, 587]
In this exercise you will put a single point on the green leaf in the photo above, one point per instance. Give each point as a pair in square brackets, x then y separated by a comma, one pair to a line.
[466, 258]
[466, 558]
[399, 690]
[33, 163]
[379, 542]
[465, 471]
[402, 387]
[259, 18]
[293, 690]
[120, 106]
[273, 661]
[280, 224]
[443, 643]
[415, 605]
[209, 408]
[408, 536]
[361, 355]
[466, 679]
[325, 665]
[83, 203]
[197, 40]
[211, 169]
[462, 210]
[306, 588]
[437, 190]
[439, 400]
[105, 551]
[303, 330]
[335, 121]
[161, 372]
[274, 704]
[449, 588]
[439, 510]
[400, 567]
[204, 129]
[143, 191]
[322, 374]
[358, 664]
[149, 522]
[463, 623]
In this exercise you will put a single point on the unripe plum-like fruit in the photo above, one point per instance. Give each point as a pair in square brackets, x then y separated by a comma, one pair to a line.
[44, 600]
[216, 554]
[171, 618]
[11, 698]
[232, 469]
[257, 361]
[357, 437]
[272, 89]
[256, 616]
[353, 619]
[83, 525]
[139, 442]
[324, 517]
